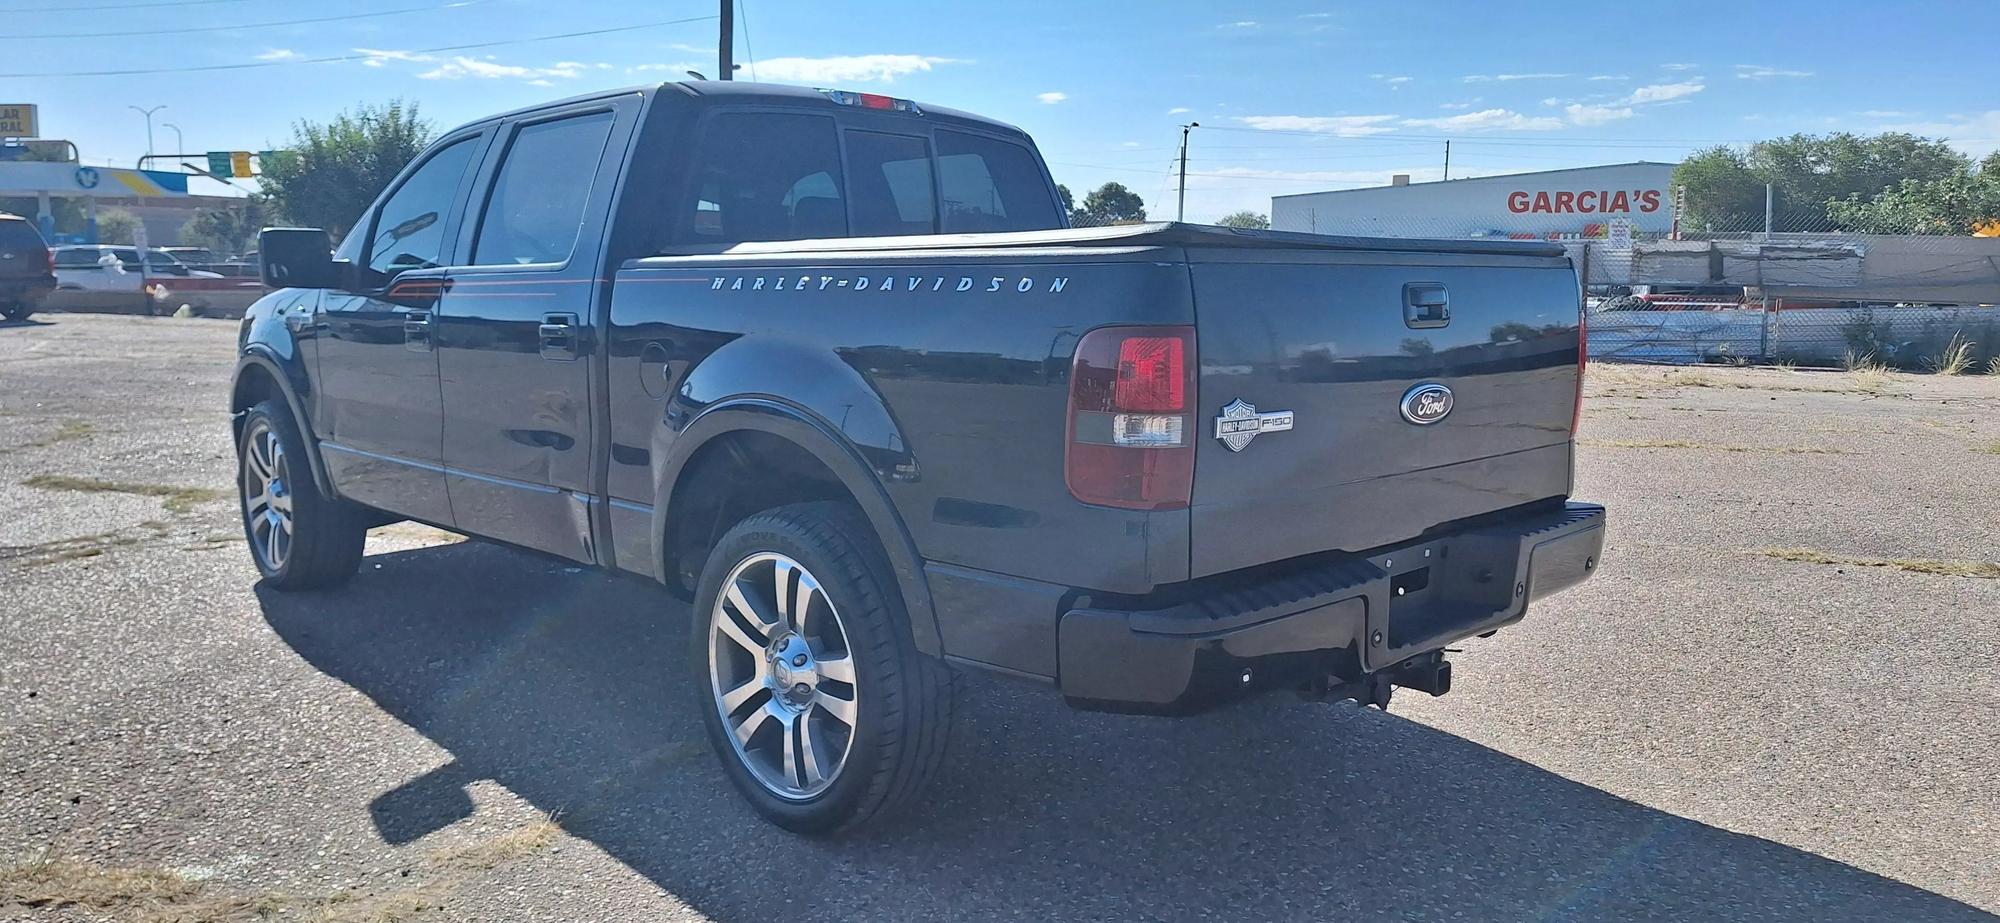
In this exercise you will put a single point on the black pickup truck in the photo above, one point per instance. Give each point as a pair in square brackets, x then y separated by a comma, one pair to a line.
[831, 366]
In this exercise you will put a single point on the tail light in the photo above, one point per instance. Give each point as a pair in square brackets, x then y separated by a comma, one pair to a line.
[1582, 359]
[1131, 437]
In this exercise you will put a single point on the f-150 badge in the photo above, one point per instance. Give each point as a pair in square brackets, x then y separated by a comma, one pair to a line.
[1240, 422]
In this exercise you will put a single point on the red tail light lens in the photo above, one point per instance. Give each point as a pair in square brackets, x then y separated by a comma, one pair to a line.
[1130, 436]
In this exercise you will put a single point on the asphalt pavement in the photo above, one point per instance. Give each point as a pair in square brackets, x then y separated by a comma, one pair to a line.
[1779, 700]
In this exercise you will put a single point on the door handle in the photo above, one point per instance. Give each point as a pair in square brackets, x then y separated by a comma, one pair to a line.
[417, 332]
[1425, 305]
[559, 335]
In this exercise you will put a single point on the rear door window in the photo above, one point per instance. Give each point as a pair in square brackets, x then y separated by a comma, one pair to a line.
[77, 259]
[764, 176]
[990, 185]
[538, 200]
[891, 180]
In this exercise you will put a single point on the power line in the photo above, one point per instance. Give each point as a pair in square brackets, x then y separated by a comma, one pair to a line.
[249, 25]
[112, 6]
[336, 59]
[743, 19]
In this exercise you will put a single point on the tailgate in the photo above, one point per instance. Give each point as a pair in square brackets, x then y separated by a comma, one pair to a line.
[1339, 339]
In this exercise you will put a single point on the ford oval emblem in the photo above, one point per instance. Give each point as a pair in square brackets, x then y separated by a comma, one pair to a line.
[1426, 403]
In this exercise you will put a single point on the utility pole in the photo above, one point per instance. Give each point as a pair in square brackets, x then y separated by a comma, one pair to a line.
[725, 44]
[1768, 196]
[148, 113]
[180, 141]
[1447, 159]
[1180, 210]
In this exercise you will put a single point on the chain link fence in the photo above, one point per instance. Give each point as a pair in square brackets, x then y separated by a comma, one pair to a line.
[1706, 290]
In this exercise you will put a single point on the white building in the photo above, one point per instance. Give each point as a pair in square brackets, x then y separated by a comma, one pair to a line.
[1561, 204]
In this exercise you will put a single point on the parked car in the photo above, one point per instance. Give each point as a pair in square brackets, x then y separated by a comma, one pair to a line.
[831, 366]
[27, 272]
[106, 275]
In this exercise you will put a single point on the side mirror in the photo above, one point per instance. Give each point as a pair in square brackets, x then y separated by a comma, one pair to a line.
[297, 258]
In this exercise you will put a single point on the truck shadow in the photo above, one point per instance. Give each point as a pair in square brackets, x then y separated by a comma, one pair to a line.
[572, 690]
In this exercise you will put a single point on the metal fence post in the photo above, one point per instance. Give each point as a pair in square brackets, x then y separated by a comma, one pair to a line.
[1771, 306]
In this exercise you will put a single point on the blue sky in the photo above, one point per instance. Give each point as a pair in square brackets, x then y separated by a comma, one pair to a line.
[1292, 97]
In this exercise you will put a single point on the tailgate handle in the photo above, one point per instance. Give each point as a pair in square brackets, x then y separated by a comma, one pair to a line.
[1425, 305]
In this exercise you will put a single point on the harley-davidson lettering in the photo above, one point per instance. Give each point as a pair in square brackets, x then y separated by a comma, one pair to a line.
[1022, 285]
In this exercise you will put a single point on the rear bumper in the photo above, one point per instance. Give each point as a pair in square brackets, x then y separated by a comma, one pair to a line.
[1345, 616]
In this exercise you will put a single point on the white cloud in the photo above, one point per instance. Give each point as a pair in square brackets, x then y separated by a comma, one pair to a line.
[1177, 110]
[1488, 78]
[1608, 77]
[1765, 71]
[1678, 67]
[278, 54]
[460, 66]
[1240, 24]
[1309, 176]
[860, 68]
[376, 57]
[1660, 93]
[1977, 134]
[1051, 98]
[1343, 126]
[1489, 120]
[1395, 81]
[1580, 114]
[693, 49]
[1467, 104]
[1887, 114]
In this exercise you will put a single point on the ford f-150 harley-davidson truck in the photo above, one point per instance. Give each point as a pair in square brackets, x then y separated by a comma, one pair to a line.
[831, 366]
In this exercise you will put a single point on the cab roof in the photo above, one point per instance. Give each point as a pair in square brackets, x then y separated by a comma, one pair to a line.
[752, 93]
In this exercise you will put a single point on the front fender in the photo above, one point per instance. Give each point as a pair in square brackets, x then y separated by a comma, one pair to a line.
[861, 468]
[265, 346]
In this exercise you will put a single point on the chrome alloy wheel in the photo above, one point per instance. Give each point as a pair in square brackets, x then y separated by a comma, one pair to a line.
[267, 497]
[782, 676]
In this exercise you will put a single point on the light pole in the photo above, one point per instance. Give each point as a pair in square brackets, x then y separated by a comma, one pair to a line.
[1180, 210]
[180, 142]
[148, 113]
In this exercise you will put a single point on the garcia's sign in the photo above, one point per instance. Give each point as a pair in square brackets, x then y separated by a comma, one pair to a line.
[1584, 202]
[18, 120]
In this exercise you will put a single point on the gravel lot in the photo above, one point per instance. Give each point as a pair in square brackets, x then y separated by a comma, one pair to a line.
[1705, 731]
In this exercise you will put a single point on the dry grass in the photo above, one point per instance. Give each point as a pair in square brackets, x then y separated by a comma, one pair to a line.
[1866, 377]
[83, 546]
[1955, 359]
[152, 895]
[505, 847]
[1993, 366]
[1984, 570]
[70, 429]
[178, 499]
[1708, 446]
[1991, 448]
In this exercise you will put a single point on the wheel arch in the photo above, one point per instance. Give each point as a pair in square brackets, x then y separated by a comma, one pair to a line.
[732, 443]
[260, 375]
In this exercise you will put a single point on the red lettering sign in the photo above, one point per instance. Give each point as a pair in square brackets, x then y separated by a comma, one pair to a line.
[1517, 202]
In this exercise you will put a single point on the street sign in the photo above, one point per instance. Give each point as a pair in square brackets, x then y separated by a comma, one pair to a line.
[219, 164]
[240, 160]
[19, 120]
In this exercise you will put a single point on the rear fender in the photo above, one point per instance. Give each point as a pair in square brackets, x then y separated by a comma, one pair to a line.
[796, 395]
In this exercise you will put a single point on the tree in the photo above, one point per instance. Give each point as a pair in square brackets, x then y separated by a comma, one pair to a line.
[1068, 200]
[1110, 203]
[1725, 186]
[1961, 204]
[116, 226]
[1247, 220]
[231, 230]
[333, 172]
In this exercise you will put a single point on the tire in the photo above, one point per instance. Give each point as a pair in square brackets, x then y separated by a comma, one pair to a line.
[16, 310]
[841, 648]
[300, 538]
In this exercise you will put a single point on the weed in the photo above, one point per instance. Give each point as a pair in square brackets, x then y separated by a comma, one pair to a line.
[1954, 359]
[1984, 570]
[178, 499]
[1710, 447]
[1992, 448]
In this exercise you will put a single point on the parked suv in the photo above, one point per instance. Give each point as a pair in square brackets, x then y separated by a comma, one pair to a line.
[27, 268]
[830, 365]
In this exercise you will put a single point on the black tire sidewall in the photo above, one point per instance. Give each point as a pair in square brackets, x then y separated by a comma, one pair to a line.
[319, 523]
[866, 614]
